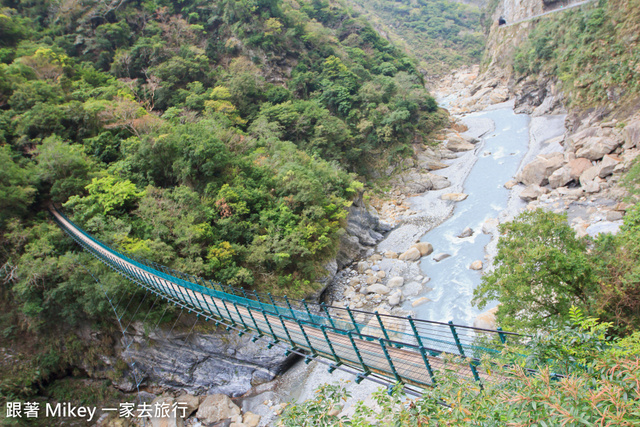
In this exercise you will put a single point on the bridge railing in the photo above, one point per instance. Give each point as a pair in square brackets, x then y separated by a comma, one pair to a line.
[250, 310]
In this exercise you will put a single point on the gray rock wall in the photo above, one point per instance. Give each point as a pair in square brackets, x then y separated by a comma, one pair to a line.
[215, 362]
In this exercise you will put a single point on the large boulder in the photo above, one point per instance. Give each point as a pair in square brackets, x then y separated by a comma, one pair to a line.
[425, 248]
[486, 320]
[467, 232]
[168, 418]
[532, 192]
[578, 166]
[438, 182]
[458, 144]
[560, 177]
[538, 171]
[476, 265]
[632, 135]
[189, 402]
[250, 419]
[596, 147]
[608, 165]
[439, 257]
[589, 175]
[377, 288]
[215, 408]
[413, 254]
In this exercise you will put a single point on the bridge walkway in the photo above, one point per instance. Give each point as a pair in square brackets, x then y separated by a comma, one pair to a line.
[389, 348]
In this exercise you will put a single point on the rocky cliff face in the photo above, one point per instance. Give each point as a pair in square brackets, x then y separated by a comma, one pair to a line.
[363, 231]
[200, 362]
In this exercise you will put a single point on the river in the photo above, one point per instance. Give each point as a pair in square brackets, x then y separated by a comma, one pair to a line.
[499, 154]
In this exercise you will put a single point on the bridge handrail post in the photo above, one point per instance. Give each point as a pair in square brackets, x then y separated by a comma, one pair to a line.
[391, 365]
[273, 303]
[224, 303]
[306, 307]
[502, 336]
[384, 330]
[353, 320]
[472, 365]
[286, 330]
[215, 304]
[323, 328]
[326, 310]
[250, 310]
[456, 338]
[314, 353]
[425, 358]
[364, 366]
[266, 319]
[286, 299]
[246, 328]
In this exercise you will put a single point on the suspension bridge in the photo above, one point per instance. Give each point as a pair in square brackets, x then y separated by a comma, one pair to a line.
[383, 348]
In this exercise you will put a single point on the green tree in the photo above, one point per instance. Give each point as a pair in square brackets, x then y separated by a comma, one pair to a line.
[16, 189]
[542, 269]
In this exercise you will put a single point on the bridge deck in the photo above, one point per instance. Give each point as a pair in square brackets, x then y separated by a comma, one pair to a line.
[368, 350]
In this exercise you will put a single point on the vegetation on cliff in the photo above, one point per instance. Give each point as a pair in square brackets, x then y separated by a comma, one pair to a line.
[593, 51]
[444, 35]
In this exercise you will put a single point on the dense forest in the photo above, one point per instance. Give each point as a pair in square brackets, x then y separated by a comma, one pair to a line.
[224, 139]
[442, 34]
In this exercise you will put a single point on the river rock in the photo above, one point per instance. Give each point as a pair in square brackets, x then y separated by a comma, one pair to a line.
[589, 175]
[439, 182]
[458, 144]
[378, 288]
[467, 232]
[250, 419]
[420, 301]
[412, 289]
[578, 166]
[190, 402]
[425, 248]
[591, 187]
[434, 165]
[538, 171]
[560, 177]
[476, 265]
[532, 192]
[614, 216]
[487, 319]
[395, 282]
[455, 197]
[439, 257]
[595, 148]
[171, 420]
[604, 227]
[413, 254]
[395, 298]
[510, 184]
[215, 408]
[608, 165]
[390, 254]
[370, 280]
